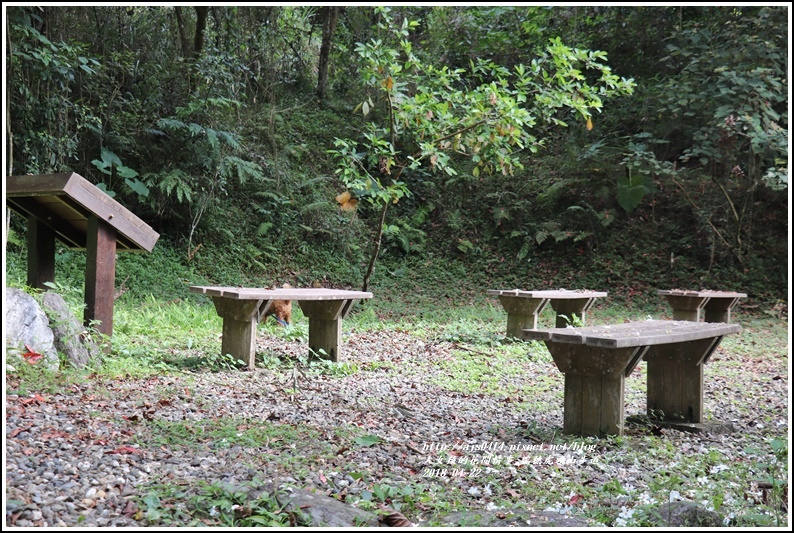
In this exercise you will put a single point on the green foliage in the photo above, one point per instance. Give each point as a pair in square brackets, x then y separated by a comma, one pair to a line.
[641, 167]
[740, 97]
[771, 471]
[367, 440]
[720, 122]
[48, 114]
[27, 378]
[217, 503]
[111, 165]
[218, 362]
[221, 433]
[424, 115]
[197, 163]
[233, 148]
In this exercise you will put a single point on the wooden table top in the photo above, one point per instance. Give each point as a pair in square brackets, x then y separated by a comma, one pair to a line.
[631, 334]
[244, 293]
[703, 294]
[553, 294]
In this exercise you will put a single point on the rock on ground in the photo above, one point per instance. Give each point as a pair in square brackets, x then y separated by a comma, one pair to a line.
[27, 324]
[686, 514]
[69, 332]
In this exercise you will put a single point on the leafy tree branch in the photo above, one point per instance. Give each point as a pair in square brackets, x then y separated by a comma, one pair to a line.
[432, 116]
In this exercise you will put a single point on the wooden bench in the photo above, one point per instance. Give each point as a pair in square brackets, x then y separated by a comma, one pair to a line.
[243, 308]
[596, 360]
[687, 305]
[523, 307]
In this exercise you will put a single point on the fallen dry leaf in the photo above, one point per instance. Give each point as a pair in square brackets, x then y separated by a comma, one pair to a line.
[31, 356]
[394, 518]
[123, 450]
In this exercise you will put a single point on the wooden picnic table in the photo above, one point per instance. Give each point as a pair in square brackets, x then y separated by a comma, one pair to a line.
[596, 360]
[688, 304]
[243, 308]
[523, 307]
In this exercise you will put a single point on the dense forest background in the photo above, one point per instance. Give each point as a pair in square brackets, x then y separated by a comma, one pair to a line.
[626, 149]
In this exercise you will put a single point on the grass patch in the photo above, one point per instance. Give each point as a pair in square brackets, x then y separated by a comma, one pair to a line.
[477, 373]
[224, 433]
[741, 477]
[28, 378]
[215, 504]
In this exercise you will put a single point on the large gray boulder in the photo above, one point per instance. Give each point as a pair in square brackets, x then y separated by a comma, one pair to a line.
[685, 514]
[318, 510]
[26, 324]
[71, 338]
[325, 511]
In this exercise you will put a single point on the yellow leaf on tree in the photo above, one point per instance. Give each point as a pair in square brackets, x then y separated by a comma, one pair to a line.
[346, 202]
[343, 198]
[388, 83]
[589, 123]
[350, 205]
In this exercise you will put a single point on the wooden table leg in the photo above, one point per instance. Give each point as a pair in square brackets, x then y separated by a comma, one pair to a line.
[522, 313]
[686, 307]
[100, 274]
[240, 318]
[41, 254]
[719, 309]
[347, 308]
[325, 326]
[573, 309]
[594, 385]
[675, 379]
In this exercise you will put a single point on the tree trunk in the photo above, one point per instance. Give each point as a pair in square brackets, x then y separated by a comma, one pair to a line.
[191, 54]
[9, 137]
[376, 251]
[329, 17]
[201, 24]
[180, 24]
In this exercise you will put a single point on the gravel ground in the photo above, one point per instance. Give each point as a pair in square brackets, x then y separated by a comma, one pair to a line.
[86, 455]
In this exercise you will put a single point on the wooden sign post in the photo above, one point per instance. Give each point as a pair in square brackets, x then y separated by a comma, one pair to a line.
[69, 208]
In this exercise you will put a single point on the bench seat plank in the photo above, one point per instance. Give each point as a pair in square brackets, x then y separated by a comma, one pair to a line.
[559, 294]
[645, 333]
[707, 294]
[246, 293]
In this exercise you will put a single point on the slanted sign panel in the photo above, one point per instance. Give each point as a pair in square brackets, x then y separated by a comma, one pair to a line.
[65, 202]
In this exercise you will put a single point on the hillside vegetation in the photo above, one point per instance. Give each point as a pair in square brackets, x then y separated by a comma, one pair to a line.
[513, 147]
[425, 154]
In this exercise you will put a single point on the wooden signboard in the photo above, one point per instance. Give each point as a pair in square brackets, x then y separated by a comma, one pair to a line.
[71, 209]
